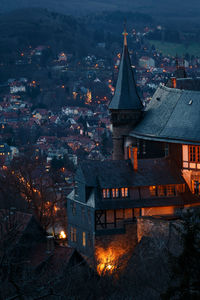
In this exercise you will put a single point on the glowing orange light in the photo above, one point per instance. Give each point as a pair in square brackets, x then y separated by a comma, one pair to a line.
[55, 208]
[62, 235]
[108, 259]
[174, 82]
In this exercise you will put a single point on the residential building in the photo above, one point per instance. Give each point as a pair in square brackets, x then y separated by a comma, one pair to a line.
[155, 170]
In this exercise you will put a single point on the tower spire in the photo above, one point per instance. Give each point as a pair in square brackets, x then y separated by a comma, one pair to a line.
[126, 107]
[125, 33]
[126, 95]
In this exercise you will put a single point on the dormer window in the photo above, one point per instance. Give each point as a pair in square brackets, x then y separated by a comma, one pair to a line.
[124, 192]
[106, 193]
[115, 193]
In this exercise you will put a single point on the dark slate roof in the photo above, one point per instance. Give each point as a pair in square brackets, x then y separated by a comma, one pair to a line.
[173, 115]
[126, 96]
[116, 174]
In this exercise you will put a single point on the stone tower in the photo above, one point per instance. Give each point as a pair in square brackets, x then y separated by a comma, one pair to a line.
[126, 107]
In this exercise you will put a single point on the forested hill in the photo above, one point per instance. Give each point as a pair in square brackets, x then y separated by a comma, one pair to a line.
[26, 27]
[164, 9]
[21, 28]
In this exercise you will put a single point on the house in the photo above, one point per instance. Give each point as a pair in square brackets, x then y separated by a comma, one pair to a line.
[5, 153]
[17, 87]
[146, 62]
[30, 251]
[155, 170]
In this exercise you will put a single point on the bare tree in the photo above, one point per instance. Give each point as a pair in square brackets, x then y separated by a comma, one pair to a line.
[40, 190]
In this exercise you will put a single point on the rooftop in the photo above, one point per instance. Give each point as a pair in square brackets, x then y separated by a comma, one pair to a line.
[126, 95]
[172, 116]
[120, 173]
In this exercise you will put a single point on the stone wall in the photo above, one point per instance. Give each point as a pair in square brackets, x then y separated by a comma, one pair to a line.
[149, 226]
[116, 248]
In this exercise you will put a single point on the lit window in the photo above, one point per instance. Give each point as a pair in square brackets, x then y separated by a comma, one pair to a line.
[73, 234]
[115, 193]
[170, 189]
[124, 192]
[194, 153]
[153, 190]
[84, 239]
[162, 190]
[180, 188]
[106, 193]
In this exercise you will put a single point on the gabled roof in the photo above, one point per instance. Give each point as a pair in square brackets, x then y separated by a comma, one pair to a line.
[172, 115]
[126, 96]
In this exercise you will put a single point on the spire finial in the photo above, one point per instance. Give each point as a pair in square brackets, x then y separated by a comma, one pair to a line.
[125, 34]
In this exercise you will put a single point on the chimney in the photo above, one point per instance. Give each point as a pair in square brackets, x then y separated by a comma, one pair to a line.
[173, 82]
[133, 157]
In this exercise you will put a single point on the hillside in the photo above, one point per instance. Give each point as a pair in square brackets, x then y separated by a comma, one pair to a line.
[34, 27]
[163, 10]
[26, 27]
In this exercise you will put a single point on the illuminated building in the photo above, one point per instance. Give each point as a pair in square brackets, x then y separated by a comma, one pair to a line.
[155, 169]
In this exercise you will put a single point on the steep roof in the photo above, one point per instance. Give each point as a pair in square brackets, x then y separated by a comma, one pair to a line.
[120, 173]
[126, 96]
[172, 115]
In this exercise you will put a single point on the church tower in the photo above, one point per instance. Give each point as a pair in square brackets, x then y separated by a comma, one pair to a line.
[126, 107]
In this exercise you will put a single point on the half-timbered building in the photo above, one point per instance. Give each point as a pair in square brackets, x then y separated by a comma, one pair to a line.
[155, 170]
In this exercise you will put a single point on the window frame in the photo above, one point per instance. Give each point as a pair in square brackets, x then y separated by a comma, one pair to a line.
[116, 193]
[168, 190]
[84, 239]
[73, 234]
[194, 154]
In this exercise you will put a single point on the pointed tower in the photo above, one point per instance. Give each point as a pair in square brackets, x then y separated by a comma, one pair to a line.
[126, 106]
